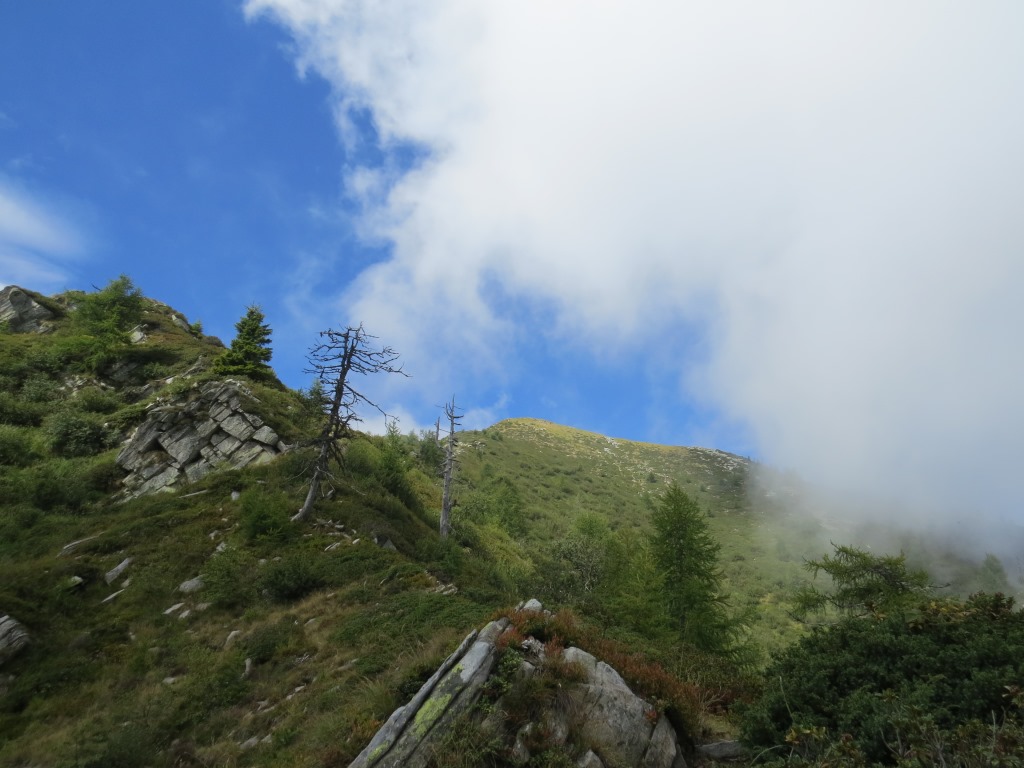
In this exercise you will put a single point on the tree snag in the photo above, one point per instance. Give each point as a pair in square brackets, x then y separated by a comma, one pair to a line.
[450, 464]
[338, 356]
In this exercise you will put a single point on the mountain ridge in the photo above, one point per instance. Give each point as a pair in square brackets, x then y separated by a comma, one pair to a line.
[199, 626]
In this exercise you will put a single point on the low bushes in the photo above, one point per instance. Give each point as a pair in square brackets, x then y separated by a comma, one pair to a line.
[949, 664]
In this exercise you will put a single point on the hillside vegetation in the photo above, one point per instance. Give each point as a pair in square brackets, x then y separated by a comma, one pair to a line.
[202, 626]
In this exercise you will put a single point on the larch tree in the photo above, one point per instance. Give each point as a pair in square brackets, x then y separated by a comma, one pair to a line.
[339, 357]
[687, 556]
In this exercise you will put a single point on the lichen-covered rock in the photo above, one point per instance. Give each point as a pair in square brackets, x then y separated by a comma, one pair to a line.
[13, 638]
[183, 442]
[404, 741]
[22, 313]
[597, 720]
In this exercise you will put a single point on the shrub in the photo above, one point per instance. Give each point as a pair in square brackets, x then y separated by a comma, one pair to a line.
[265, 516]
[16, 446]
[39, 388]
[15, 410]
[61, 484]
[953, 661]
[96, 400]
[228, 578]
[362, 457]
[75, 434]
[269, 641]
[292, 577]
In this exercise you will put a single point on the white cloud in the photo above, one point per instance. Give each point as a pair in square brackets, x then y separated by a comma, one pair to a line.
[829, 193]
[35, 241]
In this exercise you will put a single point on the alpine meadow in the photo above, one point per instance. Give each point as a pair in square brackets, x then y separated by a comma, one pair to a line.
[164, 605]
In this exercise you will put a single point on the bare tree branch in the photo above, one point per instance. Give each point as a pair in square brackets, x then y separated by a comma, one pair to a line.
[338, 356]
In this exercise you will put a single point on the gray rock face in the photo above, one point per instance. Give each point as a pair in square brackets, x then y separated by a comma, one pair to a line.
[13, 638]
[404, 740]
[21, 312]
[722, 750]
[604, 720]
[183, 442]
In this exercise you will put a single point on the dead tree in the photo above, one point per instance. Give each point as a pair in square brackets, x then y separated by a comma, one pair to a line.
[339, 356]
[450, 464]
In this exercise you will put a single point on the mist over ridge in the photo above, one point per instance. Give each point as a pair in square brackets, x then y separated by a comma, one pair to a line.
[822, 198]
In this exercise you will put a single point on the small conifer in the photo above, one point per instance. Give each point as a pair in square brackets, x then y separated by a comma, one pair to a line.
[250, 351]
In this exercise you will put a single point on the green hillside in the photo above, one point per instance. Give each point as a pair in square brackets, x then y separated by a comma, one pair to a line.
[301, 638]
[563, 474]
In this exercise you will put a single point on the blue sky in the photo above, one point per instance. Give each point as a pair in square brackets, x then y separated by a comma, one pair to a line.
[791, 232]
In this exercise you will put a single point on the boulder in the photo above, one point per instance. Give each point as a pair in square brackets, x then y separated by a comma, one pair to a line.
[22, 313]
[191, 585]
[13, 638]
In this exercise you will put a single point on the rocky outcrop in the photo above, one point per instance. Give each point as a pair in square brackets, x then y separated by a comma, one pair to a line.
[182, 442]
[595, 720]
[22, 313]
[13, 638]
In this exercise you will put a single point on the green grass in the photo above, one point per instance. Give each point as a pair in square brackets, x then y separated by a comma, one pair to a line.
[338, 631]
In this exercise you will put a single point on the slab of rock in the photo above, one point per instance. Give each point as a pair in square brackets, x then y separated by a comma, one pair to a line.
[614, 717]
[21, 312]
[191, 585]
[182, 442]
[451, 691]
[13, 638]
[238, 427]
[266, 435]
[117, 570]
[722, 750]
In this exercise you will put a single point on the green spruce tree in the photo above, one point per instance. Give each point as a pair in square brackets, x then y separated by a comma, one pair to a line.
[250, 351]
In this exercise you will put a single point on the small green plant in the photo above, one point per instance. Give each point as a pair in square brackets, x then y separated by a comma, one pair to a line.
[39, 388]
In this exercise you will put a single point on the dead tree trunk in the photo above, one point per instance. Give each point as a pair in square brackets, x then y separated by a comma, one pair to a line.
[333, 361]
[450, 464]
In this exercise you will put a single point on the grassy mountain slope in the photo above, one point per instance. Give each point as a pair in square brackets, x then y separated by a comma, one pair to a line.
[337, 628]
[564, 473]
[305, 637]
